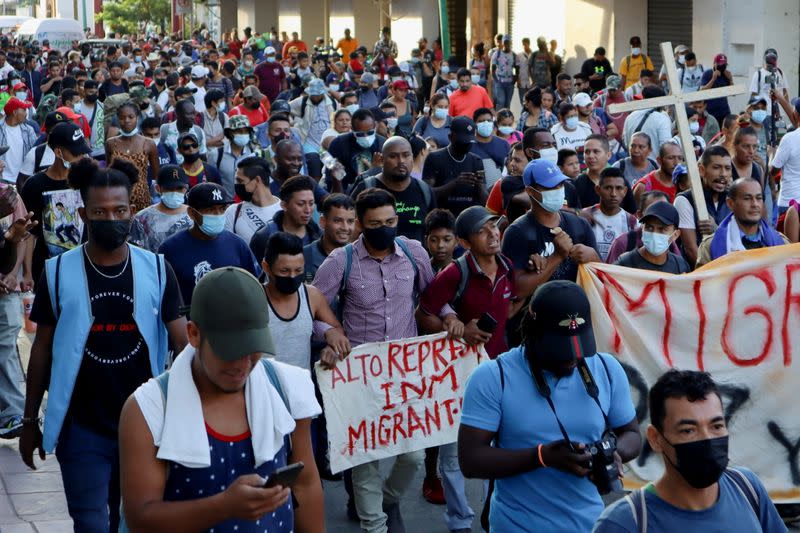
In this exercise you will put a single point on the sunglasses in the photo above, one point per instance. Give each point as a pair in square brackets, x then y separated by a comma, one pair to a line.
[189, 146]
[364, 133]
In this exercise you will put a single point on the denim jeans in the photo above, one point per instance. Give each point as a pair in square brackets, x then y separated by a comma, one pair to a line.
[90, 471]
[503, 93]
[458, 514]
[12, 399]
[371, 492]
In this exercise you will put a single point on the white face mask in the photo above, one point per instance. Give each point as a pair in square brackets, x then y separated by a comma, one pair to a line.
[636, 51]
[365, 142]
[552, 200]
[21, 96]
[391, 122]
[694, 127]
[655, 243]
[681, 60]
[549, 154]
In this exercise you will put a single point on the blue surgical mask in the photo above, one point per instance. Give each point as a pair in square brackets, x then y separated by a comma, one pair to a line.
[241, 139]
[213, 225]
[476, 78]
[352, 108]
[485, 128]
[365, 142]
[552, 200]
[759, 115]
[440, 113]
[506, 130]
[572, 122]
[445, 69]
[391, 122]
[655, 243]
[131, 133]
[172, 199]
[454, 84]
[222, 107]
[67, 164]
[694, 127]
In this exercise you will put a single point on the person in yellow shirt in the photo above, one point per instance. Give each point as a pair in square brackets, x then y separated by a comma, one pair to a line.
[632, 65]
[347, 45]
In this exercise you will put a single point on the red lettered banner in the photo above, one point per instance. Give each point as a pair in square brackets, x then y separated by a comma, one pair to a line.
[737, 318]
[388, 398]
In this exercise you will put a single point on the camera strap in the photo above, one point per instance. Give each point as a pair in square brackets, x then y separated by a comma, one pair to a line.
[589, 384]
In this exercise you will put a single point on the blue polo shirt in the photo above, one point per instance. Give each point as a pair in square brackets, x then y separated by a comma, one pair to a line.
[545, 499]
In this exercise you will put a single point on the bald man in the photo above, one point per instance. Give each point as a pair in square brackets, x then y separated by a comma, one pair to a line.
[288, 163]
[415, 198]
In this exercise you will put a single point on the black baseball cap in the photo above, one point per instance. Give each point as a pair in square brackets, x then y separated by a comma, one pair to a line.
[181, 91]
[561, 322]
[53, 118]
[463, 128]
[187, 135]
[279, 106]
[169, 177]
[243, 329]
[511, 186]
[663, 211]
[472, 219]
[68, 135]
[205, 195]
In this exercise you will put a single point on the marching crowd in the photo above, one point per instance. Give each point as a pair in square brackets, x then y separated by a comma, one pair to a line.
[193, 205]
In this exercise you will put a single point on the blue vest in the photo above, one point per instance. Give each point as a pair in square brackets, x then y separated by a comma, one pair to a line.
[67, 285]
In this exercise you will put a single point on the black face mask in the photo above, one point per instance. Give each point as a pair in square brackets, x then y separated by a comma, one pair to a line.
[701, 462]
[278, 138]
[722, 68]
[144, 105]
[191, 158]
[161, 81]
[289, 284]
[380, 238]
[91, 98]
[109, 234]
[242, 193]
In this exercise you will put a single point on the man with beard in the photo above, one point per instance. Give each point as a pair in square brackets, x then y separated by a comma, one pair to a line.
[698, 489]
[715, 171]
[414, 198]
[542, 474]
[744, 228]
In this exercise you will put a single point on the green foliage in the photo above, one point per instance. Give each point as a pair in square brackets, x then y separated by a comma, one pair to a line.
[130, 16]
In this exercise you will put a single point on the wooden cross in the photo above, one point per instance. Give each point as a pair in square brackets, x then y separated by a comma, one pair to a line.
[678, 100]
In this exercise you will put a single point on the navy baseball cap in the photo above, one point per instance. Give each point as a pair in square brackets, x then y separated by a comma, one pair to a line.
[472, 219]
[663, 211]
[543, 173]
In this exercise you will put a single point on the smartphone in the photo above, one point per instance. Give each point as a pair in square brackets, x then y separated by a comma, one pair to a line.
[285, 476]
[487, 323]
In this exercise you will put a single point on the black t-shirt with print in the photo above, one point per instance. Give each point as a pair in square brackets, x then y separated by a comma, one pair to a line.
[440, 169]
[411, 207]
[115, 359]
[527, 236]
[55, 207]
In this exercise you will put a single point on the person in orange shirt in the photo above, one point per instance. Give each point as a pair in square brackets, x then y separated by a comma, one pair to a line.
[469, 97]
[299, 45]
[347, 45]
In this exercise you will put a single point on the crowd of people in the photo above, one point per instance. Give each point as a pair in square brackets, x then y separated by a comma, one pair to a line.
[194, 205]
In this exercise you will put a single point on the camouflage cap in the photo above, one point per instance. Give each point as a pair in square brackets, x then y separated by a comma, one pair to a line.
[237, 122]
[139, 93]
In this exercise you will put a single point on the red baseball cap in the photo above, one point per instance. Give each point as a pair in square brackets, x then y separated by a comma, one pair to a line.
[720, 59]
[400, 84]
[20, 87]
[15, 103]
[69, 113]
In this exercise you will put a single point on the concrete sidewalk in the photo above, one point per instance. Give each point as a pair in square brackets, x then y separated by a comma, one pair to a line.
[31, 500]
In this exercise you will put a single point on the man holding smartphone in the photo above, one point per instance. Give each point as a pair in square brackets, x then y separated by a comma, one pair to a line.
[479, 286]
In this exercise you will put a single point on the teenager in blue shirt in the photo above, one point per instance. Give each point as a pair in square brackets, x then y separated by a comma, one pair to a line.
[698, 491]
[542, 482]
[206, 246]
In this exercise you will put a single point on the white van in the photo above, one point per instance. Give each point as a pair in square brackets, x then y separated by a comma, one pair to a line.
[60, 32]
[11, 23]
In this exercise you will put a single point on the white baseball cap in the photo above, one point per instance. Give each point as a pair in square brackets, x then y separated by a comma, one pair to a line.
[269, 51]
[199, 71]
[582, 99]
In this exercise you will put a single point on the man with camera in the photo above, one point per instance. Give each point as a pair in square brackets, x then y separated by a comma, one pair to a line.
[551, 421]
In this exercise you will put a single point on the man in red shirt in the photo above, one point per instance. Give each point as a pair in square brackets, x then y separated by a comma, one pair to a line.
[271, 76]
[255, 106]
[469, 98]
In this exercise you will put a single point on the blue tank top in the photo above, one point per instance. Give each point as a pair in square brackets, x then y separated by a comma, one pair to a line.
[231, 457]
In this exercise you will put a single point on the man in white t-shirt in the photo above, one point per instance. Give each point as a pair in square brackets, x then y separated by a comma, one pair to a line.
[763, 78]
[608, 219]
[217, 388]
[199, 78]
[653, 122]
[5, 67]
[18, 135]
[787, 159]
[258, 205]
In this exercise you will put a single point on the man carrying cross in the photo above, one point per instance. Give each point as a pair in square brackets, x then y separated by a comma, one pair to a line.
[679, 100]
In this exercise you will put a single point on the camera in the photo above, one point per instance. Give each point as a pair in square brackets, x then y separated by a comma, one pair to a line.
[604, 473]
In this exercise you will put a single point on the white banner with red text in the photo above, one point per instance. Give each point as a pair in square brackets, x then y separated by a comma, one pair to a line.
[389, 398]
[737, 318]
